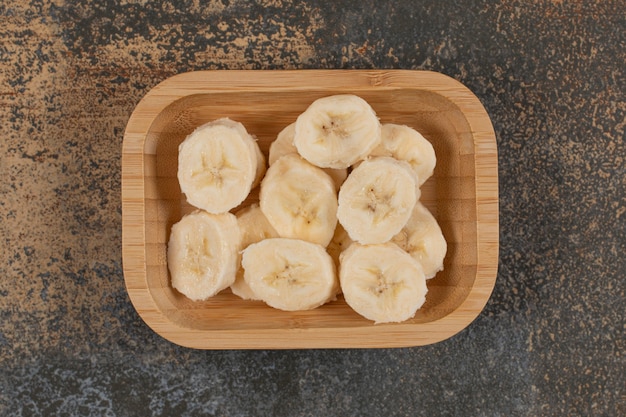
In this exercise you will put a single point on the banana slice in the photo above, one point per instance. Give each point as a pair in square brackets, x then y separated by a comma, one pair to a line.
[254, 228]
[261, 166]
[283, 145]
[217, 165]
[422, 238]
[340, 242]
[377, 199]
[337, 131]
[407, 144]
[254, 225]
[290, 274]
[299, 200]
[203, 253]
[382, 282]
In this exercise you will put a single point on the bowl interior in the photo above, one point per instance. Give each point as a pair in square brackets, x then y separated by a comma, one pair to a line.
[450, 194]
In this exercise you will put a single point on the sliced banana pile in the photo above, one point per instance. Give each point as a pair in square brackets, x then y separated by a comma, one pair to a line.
[338, 213]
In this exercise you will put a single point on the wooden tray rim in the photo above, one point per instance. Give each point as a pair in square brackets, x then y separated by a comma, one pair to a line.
[375, 336]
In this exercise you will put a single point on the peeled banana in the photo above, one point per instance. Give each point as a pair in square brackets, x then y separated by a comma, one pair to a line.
[382, 282]
[337, 131]
[203, 253]
[290, 274]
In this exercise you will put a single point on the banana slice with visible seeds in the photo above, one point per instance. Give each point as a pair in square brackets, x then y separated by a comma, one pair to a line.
[407, 144]
[254, 228]
[283, 145]
[217, 165]
[382, 282]
[422, 238]
[290, 274]
[377, 199]
[299, 200]
[337, 131]
[203, 253]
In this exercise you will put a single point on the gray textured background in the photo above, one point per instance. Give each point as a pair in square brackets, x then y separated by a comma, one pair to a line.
[550, 342]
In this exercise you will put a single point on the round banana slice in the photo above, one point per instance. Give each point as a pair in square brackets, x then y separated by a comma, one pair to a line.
[299, 200]
[382, 282]
[422, 238]
[217, 165]
[290, 274]
[337, 131]
[407, 144]
[283, 145]
[377, 199]
[254, 228]
[203, 253]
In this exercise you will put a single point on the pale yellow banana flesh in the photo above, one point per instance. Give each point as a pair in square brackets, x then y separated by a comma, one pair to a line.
[313, 221]
[337, 131]
[377, 199]
[339, 243]
[407, 144]
[422, 238]
[299, 200]
[283, 145]
[290, 274]
[254, 228]
[217, 165]
[382, 282]
[261, 166]
[203, 253]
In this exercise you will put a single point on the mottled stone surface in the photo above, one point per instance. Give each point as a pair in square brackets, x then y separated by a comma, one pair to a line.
[551, 340]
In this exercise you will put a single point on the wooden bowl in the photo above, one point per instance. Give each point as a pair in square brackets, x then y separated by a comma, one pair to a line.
[462, 194]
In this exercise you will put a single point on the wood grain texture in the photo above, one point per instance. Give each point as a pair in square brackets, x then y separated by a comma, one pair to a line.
[462, 194]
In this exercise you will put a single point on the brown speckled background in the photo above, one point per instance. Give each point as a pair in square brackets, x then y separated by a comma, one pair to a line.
[551, 74]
